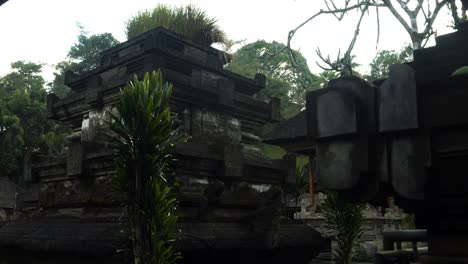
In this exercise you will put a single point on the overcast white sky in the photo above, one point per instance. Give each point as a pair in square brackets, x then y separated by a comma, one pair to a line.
[43, 31]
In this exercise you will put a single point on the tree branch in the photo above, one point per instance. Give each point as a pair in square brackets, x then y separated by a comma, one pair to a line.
[432, 18]
[334, 11]
[398, 16]
[404, 6]
[418, 7]
[378, 27]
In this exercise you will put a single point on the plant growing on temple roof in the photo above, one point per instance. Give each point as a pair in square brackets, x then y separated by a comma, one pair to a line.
[143, 135]
[346, 219]
[188, 21]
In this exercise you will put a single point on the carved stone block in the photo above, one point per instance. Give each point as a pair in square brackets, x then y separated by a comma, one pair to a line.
[398, 105]
[7, 194]
[75, 156]
[233, 160]
[209, 81]
[331, 113]
[340, 163]
[364, 97]
[408, 166]
[275, 108]
[195, 54]
[93, 97]
[345, 107]
[225, 92]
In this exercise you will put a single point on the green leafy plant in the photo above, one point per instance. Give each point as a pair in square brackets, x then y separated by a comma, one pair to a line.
[188, 21]
[346, 220]
[143, 136]
[461, 71]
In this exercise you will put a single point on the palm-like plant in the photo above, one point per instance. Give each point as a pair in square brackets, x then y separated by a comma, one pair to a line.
[143, 137]
[346, 220]
[188, 21]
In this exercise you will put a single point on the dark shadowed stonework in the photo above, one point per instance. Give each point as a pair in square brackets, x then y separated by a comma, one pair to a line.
[230, 194]
[406, 137]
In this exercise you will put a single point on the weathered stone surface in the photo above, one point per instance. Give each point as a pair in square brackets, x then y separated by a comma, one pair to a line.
[7, 194]
[75, 157]
[398, 106]
[335, 116]
[408, 167]
[345, 107]
[233, 160]
[225, 92]
[94, 123]
[340, 163]
[364, 100]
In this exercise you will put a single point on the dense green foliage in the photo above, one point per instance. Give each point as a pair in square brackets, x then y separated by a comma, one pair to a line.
[382, 61]
[188, 21]
[346, 220]
[285, 80]
[23, 119]
[143, 137]
[83, 56]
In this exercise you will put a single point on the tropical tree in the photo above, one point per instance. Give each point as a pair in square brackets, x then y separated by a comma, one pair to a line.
[143, 137]
[284, 80]
[24, 125]
[11, 141]
[380, 65]
[346, 220]
[188, 21]
[83, 56]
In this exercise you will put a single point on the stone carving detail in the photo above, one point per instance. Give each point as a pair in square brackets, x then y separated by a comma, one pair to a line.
[209, 126]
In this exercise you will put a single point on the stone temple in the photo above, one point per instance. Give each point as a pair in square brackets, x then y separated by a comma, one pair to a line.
[230, 194]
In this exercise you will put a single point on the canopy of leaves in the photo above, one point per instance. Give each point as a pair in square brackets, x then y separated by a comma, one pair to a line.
[285, 80]
[83, 56]
[23, 119]
[380, 65]
[86, 52]
[188, 21]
